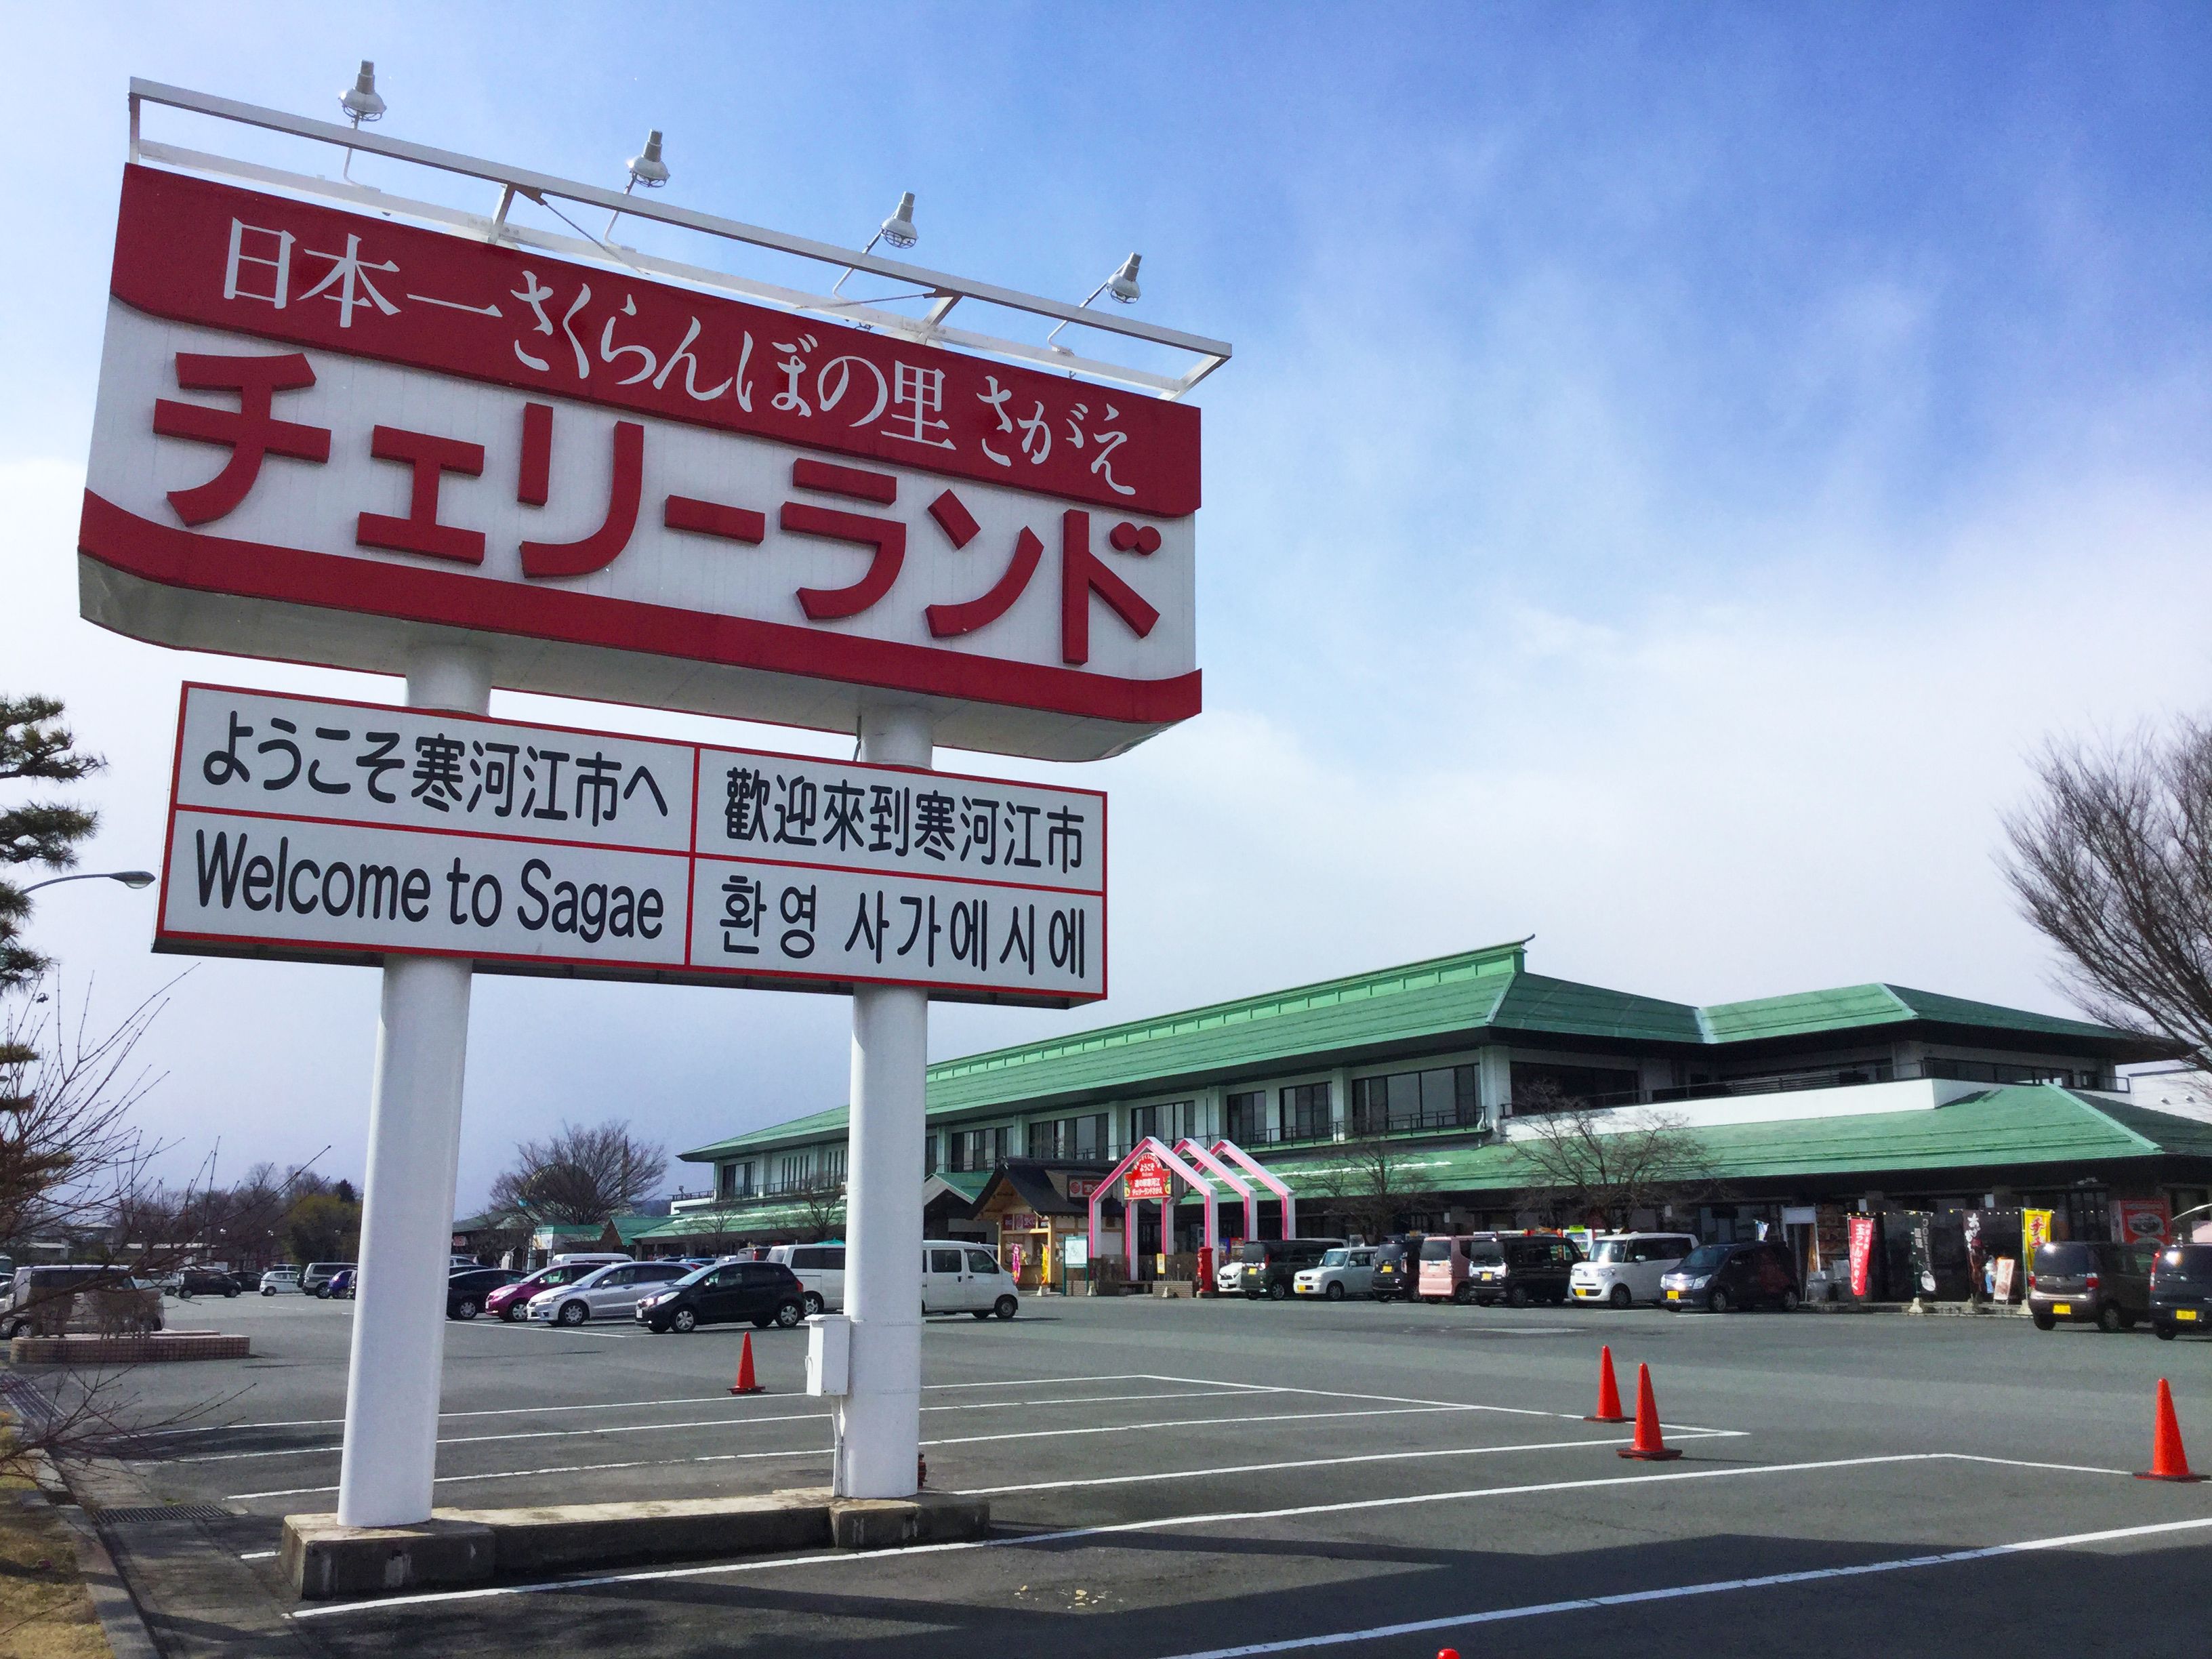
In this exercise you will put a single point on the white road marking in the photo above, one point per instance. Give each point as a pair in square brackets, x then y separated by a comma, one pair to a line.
[662, 1575]
[686, 1400]
[259, 1555]
[573, 1469]
[330, 1449]
[1714, 1587]
[1341, 1394]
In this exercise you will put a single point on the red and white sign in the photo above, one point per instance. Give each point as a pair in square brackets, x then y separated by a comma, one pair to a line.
[318, 829]
[2141, 1220]
[322, 434]
[1148, 1178]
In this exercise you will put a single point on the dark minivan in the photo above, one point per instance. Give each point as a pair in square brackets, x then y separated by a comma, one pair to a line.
[764, 1292]
[1270, 1265]
[1519, 1268]
[2181, 1290]
[1398, 1268]
[2090, 1282]
[1723, 1277]
[466, 1290]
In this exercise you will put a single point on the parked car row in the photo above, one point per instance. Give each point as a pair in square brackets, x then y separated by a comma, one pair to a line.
[1670, 1270]
[2117, 1286]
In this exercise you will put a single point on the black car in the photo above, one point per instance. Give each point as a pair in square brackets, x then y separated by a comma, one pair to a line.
[2090, 1282]
[466, 1290]
[765, 1292]
[205, 1281]
[2181, 1290]
[1519, 1268]
[1725, 1277]
[1398, 1268]
[1270, 1267]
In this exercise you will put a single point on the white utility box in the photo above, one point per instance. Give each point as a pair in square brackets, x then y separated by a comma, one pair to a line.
[828, 1354]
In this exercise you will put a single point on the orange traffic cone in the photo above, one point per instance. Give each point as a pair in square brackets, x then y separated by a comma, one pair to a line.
[745, 1384]
[1608, 1392]
[2168, 1462]
[1648, 1447]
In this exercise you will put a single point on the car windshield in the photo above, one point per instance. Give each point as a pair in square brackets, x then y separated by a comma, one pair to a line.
[2190, 1262]
[1485, 1249]
[1334, 1258]
[1254, 1255]
[1704, 1258]
[1610, 1250]
[1435, 1249]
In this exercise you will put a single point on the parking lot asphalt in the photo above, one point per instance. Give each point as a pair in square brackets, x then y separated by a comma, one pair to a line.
[1181, 1478]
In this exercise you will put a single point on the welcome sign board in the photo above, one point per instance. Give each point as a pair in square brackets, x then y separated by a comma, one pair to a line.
[316, 830]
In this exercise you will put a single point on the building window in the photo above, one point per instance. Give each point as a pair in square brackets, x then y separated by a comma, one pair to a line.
[733, 1180]
[980, 1149]
[928, 1156]
[1540, 1086]
[1247, 1116]
[1442, 1097]
[1306, 1112]
[812, 1169]
[1170, 1120]
[1069, 1138]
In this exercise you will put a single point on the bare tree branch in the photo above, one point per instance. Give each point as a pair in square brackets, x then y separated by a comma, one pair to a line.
[1579, 1164]
[581, 1177]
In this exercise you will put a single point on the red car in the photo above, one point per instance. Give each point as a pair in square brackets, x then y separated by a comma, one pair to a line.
[509, 1300]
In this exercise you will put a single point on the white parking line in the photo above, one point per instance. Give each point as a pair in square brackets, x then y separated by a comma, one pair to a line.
[1714, 1587]
[1341, 1394]
[328, 1449]
[857, 1561]
[962, 1440]
[686, 1400]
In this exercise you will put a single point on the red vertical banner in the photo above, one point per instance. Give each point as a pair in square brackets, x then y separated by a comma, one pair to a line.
[1862, 1246]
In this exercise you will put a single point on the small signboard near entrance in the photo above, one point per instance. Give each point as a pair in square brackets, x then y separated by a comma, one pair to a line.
[316, 830]
[1148, 1178]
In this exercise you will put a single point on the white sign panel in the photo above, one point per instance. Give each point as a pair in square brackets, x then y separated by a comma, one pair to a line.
[321, 434]
[329, 830]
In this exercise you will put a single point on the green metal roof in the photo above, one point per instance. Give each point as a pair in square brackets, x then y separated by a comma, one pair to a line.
[2016, 1124]
[739, 1221]
[1462, 1000]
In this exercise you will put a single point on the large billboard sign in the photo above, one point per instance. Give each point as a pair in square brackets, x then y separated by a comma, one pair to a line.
[314, 829]
[327, 436]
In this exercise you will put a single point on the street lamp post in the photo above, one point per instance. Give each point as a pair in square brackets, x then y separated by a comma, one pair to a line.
[133, 879]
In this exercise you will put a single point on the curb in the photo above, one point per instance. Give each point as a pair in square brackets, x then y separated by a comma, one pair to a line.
[120, 1621]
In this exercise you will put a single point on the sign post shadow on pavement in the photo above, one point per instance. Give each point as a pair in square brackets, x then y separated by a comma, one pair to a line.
[486, 455]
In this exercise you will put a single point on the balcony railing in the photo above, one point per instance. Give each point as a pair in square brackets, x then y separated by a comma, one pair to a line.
[1846, 1076]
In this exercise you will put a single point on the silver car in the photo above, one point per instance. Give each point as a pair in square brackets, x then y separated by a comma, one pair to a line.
[608, 1292]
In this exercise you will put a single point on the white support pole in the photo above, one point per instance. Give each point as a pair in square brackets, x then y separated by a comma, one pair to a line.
[880, 1422]
[391, 1452]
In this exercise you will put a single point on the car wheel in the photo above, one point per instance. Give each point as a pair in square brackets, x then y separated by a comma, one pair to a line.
[1335, 1292]
[683, 1321]
[1006, 1307]
[265, 1291]
[322, 1292]
[229, 1293]
[573, 1314]
[2165, 1333]
[814, 1302]
[15, 1327]
[1251, 1296]
[1788, 1302]
[1517, 1298]
[467, 1308]
[2044, 1321]
[1716, 1300]
[2111, 1320]
[1462, 1296]
[788, 1314]
[512, 1312]
[1277, 1291]
[1620, 1298]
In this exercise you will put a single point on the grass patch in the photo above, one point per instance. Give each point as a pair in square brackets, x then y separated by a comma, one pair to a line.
[45, 1613]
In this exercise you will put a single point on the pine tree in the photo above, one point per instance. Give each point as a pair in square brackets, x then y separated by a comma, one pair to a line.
[34, 745]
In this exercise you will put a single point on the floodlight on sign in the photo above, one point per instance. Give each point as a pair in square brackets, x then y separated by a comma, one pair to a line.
[1121, 286]
[361, 103]
[897, 230]
[646, 169]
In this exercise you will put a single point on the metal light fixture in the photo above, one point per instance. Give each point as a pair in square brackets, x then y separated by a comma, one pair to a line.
[361, 103]
[646, 169]
[133, 879]
[897, 230]
[1121, 286]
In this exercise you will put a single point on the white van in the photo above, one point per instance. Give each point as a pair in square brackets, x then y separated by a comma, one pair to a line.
[963, 1278]
[820, 1270]
[1626, 1268]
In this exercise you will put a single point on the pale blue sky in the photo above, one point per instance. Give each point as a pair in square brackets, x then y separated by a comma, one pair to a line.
[1677, 460]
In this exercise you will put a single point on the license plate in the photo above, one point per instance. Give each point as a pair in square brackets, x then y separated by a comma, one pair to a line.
[1487, 1278]
[2062, 1307]
[2188, 1314]
[1674, 1296]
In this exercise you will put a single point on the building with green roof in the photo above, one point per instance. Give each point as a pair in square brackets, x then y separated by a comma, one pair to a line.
[1866, 1094]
